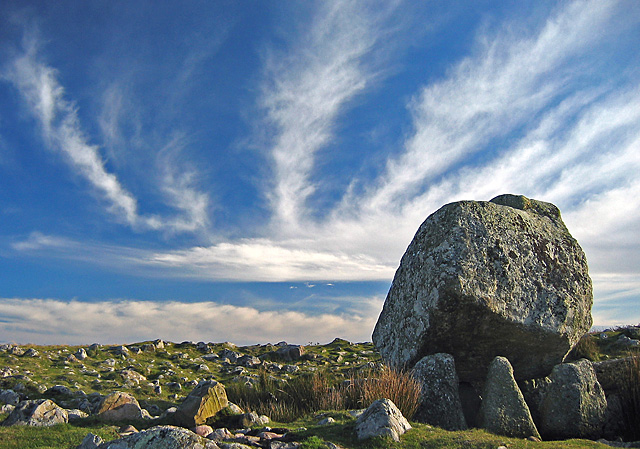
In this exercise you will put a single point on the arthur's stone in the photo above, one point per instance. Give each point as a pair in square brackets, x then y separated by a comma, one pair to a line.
[482, 279]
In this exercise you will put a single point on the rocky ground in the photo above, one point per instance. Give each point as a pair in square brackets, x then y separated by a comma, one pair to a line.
[159, 375]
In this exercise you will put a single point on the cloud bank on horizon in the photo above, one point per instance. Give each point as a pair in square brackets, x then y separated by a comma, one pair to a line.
[212, 149]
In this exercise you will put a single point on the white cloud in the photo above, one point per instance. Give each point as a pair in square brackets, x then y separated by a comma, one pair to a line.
[268, 261]
[41, 321]
[510, 79]
[304, 94]
[59, 121]
[62, 132]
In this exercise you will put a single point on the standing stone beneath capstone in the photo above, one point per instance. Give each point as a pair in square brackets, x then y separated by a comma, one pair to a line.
[482, 279]
[439, 399]
[503, 410]
[574, 404]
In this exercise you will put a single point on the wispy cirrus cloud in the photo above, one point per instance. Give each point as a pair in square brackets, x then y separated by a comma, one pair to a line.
[62, 132]
[512, 77]
[306, 90]
[41, 321]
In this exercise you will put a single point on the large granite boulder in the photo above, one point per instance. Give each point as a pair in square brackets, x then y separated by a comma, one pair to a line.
[574, 404]
[482, 279]
[204, 402]
[38, 413]
[439, 398]
[382, 418]
[504, 410]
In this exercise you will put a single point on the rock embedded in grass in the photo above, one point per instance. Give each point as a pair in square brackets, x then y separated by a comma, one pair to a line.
[39, 413]
[203, 402]
[381, 418]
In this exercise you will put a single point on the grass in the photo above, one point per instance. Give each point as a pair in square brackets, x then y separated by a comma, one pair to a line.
[312, 436]
[58, 436]
[421, 436]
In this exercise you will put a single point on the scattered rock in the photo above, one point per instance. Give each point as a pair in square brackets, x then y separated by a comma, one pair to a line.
[120, 406]
[7, 408]
[131, 377]
[290, 445]
[122, 351]
[39, 413]
[504, 410]
[623, 340]
[482, 279]
[127, 430]
[16, 350]
[91, 441]
[250, 419]
[203, 430]
[230, 355]
[619, 443]
[76, 414]
[220, 434]
[382, 418]
[81, 354]
[161, 437]
[31, 353]
[440, 401]
[59, 391]
[289, 353]
[9, 397]
[249, 361]
[204, 401]
[326, 421]
[574, 404]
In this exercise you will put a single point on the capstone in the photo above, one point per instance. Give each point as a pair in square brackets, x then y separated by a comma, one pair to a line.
[482, 279]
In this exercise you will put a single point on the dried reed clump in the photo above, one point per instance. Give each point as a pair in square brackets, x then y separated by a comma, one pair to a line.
[631, 400]
[395, 384]
[305, 394]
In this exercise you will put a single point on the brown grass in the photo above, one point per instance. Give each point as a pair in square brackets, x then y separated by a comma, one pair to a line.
[631, 400]
[306, 394]
[397, 385]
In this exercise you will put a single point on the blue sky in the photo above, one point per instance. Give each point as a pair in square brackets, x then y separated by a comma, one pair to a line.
[253, 171]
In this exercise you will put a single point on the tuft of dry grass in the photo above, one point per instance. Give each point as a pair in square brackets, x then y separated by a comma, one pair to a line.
[302, 395]
[631, 400]
[395, 384]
